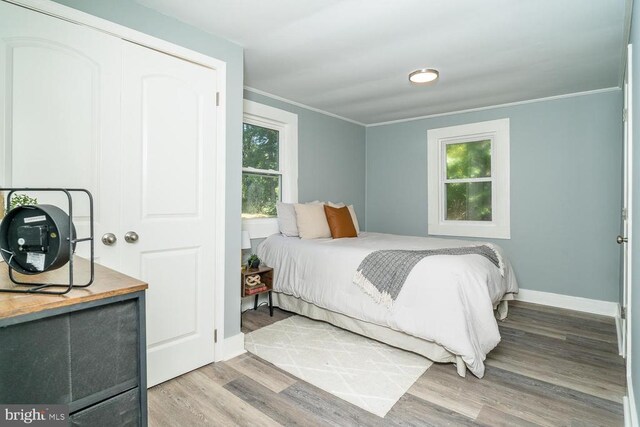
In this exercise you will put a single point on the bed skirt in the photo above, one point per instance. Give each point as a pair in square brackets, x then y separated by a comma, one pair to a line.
[428, 349]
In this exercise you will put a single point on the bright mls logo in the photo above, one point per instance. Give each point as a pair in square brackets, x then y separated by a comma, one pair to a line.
[34, 415]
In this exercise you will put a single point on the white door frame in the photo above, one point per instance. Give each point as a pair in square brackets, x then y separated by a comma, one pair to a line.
[626, 195]
[122, 32]
[628, 189]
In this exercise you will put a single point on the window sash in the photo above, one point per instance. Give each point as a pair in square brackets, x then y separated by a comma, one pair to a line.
[468, 139]
[279, 198]
[445, 207]
[248, 170]
[462, 180]
[480, 139]
[497, 131]
[262, 171]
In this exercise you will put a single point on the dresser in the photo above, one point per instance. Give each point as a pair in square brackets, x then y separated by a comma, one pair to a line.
[85, 349]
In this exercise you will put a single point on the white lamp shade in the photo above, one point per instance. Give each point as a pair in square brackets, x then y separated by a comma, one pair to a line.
[246, 241]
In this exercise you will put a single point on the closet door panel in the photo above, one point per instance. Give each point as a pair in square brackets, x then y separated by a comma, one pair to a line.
[169, 139]
[59, 104]
[170, 143]
[57, 133]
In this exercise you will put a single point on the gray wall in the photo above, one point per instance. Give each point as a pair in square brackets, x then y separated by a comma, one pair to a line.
[634, 318]
[133, 15]
[331, 161]
[565, 189]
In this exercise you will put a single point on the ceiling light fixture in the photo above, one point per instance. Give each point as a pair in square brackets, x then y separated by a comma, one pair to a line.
[425, 75]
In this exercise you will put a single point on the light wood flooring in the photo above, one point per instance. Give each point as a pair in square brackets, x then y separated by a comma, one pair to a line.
[553, 368]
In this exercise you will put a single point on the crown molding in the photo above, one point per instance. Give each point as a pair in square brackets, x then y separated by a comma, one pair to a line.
[298, 104]
[491, 107]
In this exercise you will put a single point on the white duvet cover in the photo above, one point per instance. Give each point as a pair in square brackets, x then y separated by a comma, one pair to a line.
[447, 299]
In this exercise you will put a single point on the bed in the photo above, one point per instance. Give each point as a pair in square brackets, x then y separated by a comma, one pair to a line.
[446, 310]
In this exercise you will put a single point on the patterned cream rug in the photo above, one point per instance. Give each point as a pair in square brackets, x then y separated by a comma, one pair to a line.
[364, 372]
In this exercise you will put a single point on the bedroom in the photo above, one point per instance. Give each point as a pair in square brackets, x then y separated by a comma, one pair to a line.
[566, 157]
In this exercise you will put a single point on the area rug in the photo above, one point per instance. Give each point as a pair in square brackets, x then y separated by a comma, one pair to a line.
[362, 371]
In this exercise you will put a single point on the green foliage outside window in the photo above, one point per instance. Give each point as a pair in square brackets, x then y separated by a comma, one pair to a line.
[469, 201]
[260, 147]
[21, 200]
[260, 191]
[469, 160]
[259, 195]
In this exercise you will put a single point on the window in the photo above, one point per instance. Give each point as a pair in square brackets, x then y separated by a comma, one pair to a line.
[269, 165]
[261, 174]
[468, 171]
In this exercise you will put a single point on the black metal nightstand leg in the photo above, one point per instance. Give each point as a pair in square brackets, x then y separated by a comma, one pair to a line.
[270, 305]
[255, 304]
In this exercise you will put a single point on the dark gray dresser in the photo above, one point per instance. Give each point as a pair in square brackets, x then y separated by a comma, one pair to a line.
[86, 349]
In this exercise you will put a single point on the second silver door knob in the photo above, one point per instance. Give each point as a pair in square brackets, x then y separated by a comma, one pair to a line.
[131, 237]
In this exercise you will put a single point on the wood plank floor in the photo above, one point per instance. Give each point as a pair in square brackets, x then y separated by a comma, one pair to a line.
[553, 368]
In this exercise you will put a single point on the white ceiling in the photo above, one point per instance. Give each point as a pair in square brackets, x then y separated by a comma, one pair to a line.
[352, 57]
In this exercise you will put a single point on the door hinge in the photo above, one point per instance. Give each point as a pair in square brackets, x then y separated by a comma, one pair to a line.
[215, 336]
[625, 114]
[217, 99]
[624, 214]
[623, 312]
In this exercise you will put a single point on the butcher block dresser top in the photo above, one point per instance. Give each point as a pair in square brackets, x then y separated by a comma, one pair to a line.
[107, 283]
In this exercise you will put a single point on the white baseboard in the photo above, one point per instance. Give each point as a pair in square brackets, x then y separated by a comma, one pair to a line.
[232, 347]
[630, 410]
[626, 411]
[593, 306]
[619, 328]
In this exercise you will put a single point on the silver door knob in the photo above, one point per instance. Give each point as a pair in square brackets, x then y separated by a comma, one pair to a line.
[109, 239]
[620, 240]
[131, 237]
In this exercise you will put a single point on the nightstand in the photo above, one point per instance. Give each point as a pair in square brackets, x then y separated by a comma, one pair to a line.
[256, 281]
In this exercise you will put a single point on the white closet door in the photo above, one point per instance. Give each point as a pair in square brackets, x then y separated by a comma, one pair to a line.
[169, 138]
[60, 115]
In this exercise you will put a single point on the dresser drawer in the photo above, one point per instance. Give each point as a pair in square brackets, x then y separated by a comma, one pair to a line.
[104, 348]
[122, 411]
[34, 362]
[69, 357]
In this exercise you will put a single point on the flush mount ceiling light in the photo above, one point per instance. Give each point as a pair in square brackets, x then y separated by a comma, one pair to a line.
[425, 75]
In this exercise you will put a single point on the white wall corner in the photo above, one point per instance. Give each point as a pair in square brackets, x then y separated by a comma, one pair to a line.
[587, 305]
[231, 347]
[630, 409]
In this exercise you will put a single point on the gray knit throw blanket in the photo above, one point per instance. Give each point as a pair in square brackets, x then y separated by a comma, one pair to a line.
[383, 273]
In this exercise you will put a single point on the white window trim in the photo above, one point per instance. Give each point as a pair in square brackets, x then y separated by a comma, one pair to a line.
[437, 139]
[287, 124]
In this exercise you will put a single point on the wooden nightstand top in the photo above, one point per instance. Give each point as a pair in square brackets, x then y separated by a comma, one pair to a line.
[259, 270]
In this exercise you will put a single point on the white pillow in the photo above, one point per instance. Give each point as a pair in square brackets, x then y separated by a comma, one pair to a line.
[287, 221]
[312, 221]
[352, 211]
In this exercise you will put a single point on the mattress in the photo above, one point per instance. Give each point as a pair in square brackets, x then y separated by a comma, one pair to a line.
[447, 299]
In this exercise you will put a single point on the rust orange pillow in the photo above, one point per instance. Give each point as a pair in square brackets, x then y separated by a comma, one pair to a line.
[340, 222]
